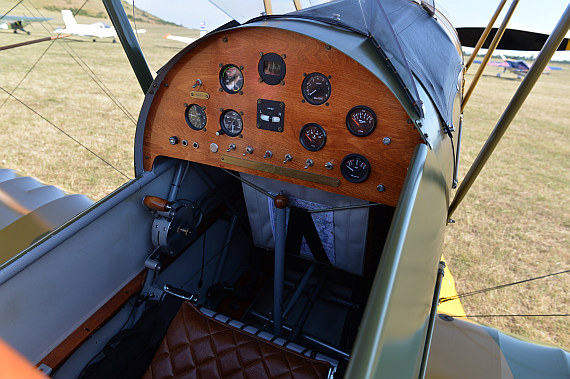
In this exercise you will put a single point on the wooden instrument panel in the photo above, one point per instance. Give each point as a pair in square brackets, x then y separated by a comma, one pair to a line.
[197, 79]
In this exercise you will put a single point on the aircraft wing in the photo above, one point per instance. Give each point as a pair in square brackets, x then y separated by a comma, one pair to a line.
[180, 39]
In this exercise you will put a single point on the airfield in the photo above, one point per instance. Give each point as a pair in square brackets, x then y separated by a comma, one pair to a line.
[513, 225]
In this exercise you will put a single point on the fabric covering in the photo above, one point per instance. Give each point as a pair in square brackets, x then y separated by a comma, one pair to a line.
[197, 346]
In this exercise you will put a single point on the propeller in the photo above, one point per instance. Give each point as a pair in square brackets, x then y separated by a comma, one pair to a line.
[512, 39]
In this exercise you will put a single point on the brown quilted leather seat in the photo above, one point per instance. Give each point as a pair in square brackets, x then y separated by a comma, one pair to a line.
[197, 346]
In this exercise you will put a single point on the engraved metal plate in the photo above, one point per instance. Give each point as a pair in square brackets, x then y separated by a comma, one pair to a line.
[199, 95]
[283, 171]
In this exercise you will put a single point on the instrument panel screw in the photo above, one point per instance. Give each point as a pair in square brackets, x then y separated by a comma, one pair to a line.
[281, 105]
[282, 83]
[241, 92]
[185, 105]
[260, 80]
[386, 140]
[241, 67]
[302, 101]
[279, 129]
[166, 84]
[381, 188]
[146, 157]
[327, 104]
[225, 39]
[327, 47]
[409, 121]
[283, 56]
[259, 101]
[221, 65]
[221, 109]
[261, 53]
[220, 89]
[241, 113]
[258, 126]
[195, 145]
[184, 142]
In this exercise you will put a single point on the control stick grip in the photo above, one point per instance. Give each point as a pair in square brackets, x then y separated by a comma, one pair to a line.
[156, 203]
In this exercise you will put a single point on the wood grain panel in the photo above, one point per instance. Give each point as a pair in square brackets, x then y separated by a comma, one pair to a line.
[351, 85]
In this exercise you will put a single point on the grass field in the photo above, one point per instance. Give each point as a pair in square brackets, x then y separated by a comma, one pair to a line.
[513, 224]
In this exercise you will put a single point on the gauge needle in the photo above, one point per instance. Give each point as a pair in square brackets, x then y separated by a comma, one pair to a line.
[357, 123]
[306, 135]
[311, 94]
[351, 169]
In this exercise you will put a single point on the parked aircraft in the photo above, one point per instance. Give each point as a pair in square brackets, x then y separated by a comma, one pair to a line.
[518, 67]
[95, 30]
[294, 179]
[17, 23]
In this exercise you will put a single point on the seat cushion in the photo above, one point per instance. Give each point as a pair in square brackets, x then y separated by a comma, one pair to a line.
[197, 346]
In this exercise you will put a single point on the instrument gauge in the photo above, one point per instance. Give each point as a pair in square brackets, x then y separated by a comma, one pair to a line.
[196, 117]
[361, 121]
[231, 78]
[316, 88]
[355, 168]
[231, 123]
[313, 137]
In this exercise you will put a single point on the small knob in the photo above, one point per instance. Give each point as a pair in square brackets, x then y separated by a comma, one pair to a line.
[232, 147]
[288, 158]
[329, 165]
[280, 201]
[220, 132]
[173, 140]
[308, 163]
[197, 84]
[248, 150]
[268, 154]
[156, 203]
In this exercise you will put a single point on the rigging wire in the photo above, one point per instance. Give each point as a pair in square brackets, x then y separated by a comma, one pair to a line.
[517, 315]
[87, 69]
[477, 292]
[66, 134]
[11, 9]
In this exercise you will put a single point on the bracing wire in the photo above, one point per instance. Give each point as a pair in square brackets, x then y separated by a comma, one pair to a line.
[77, 58]
[11, 9]
[66, 134]
[477, 292]
[518, 315]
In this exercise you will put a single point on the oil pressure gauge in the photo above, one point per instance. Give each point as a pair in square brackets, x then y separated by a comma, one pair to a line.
[195, 117]
[313, 137]
[355, 168]
[361, 121]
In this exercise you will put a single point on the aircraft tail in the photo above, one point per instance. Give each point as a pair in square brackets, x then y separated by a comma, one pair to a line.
[68, 18]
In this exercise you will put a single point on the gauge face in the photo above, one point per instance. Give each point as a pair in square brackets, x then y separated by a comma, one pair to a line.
[231, 78]
[361, 121]
[355, 168]
[316, 88]
[231, 123]
[271, 68]
[313, 137]
[196, 117]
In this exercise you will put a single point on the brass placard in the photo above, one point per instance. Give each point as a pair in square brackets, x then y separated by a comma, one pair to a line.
[283, 171]
[199, 95]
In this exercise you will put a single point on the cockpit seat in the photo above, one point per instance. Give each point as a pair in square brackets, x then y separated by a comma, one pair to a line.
[202, 344]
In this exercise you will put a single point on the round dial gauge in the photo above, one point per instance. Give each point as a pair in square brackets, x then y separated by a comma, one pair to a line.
[361, 121]
[313, 137]
[231, 123]
[196, 117]
[231, 78]
[355, 168]
[316, 88]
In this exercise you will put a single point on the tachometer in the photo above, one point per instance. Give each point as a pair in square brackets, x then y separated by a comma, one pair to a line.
[196, 117]
[313, 137]
[361, 121]
[231, 123]
[316, 88]
[355, 168]
[231, 78]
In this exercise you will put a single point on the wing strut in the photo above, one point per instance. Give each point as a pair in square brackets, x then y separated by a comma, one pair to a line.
[485, 34]
[516, 102]
[487, 56]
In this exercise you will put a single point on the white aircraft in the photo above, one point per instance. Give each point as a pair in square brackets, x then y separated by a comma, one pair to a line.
[95, 30]
[188, 40]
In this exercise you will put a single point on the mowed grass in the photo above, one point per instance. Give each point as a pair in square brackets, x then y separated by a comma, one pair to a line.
[512, 225]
